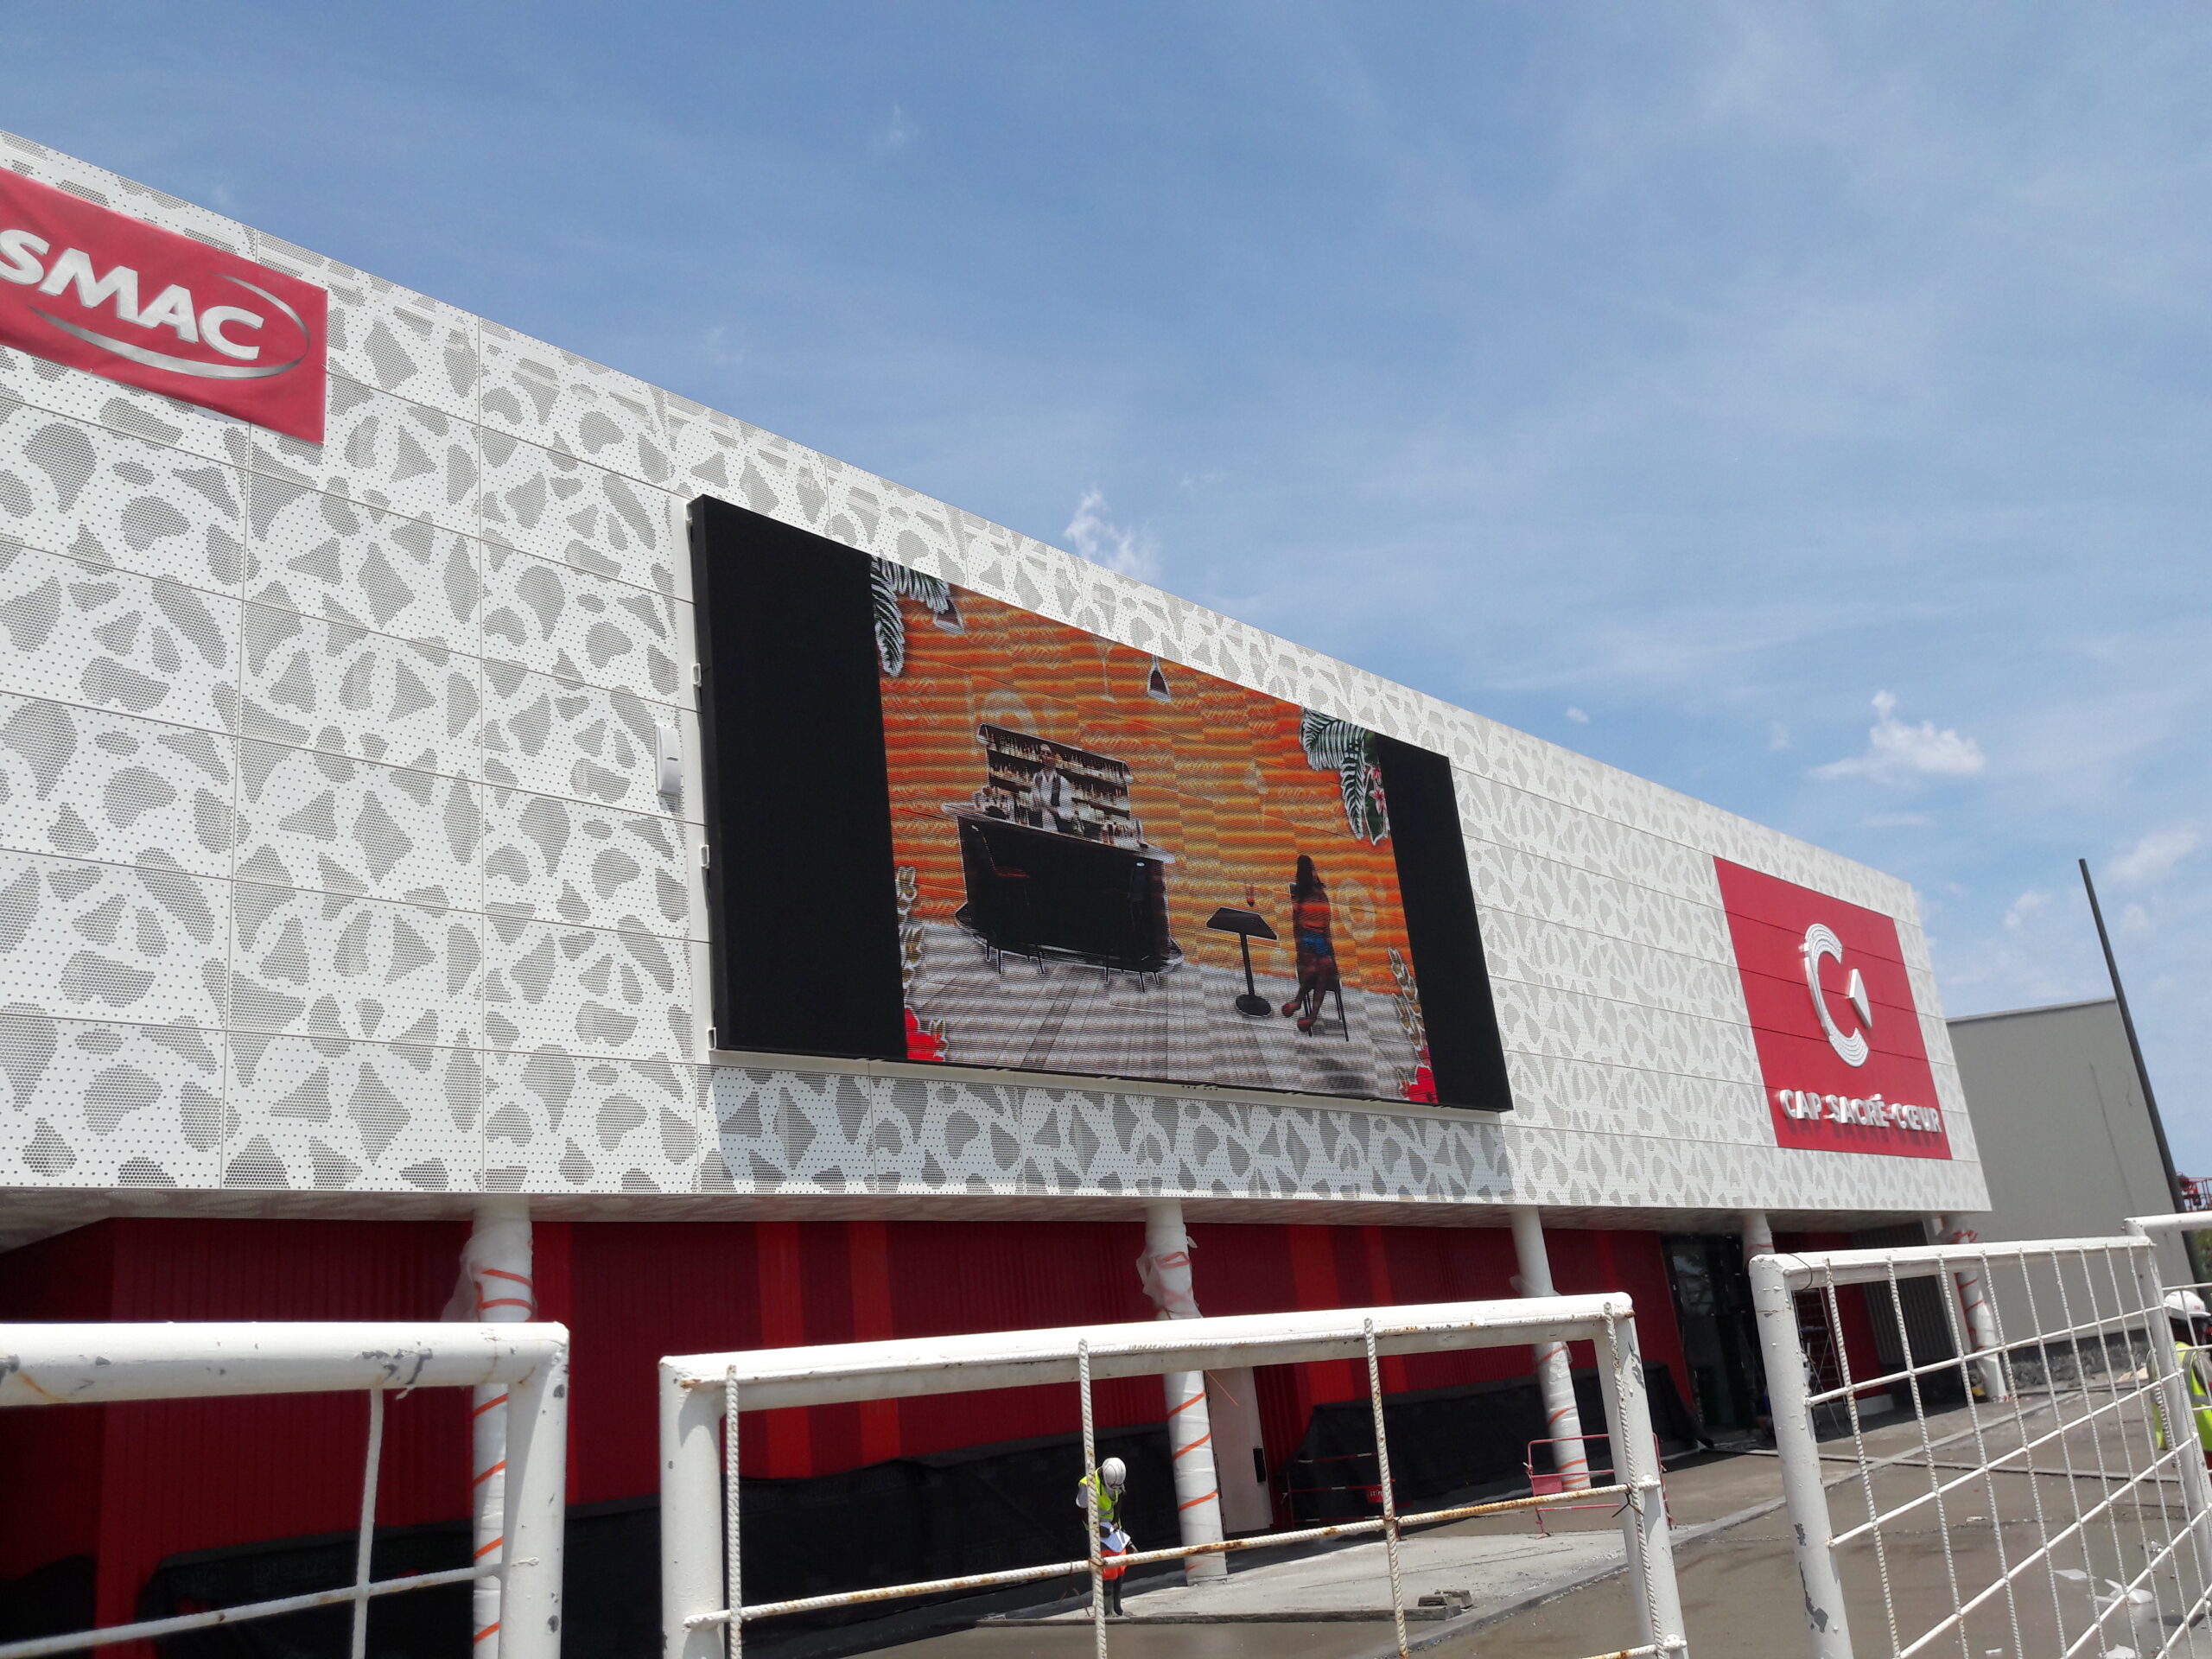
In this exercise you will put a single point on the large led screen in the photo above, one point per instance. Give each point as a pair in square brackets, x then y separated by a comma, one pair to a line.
[945, 829]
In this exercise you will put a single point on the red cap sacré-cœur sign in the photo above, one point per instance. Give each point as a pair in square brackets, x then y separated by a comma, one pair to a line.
[101, 291]
[1833, 1019]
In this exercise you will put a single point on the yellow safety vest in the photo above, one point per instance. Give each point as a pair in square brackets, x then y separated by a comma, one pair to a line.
[1109, 1500]
[2200, 1397]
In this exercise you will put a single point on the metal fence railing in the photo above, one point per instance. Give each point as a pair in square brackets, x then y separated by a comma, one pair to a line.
[2037, 1492]
[702, 1608]
[54, 1365]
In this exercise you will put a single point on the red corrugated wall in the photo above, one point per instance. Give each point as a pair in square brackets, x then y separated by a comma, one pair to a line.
[166, 1476]
[1245, 1269]
[645, 1290]
[53, 1454]
[133, 1484]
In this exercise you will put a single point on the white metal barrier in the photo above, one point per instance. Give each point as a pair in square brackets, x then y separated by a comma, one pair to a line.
[2195, 1355]
[2025, 1497]
[702, 1608]
[99, 1364]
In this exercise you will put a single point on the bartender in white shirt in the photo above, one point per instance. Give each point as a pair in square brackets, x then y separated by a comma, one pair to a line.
[1051, 797]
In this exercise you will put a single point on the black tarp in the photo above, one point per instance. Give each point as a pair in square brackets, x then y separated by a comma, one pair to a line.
[911, 1518]
[1453, 1444]
[49, 1600]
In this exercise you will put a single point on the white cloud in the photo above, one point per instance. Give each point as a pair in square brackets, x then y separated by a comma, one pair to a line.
[719, 350]
[899, 134]
[1578, 716]
[1778, 736]
[2154, 856]
[1098, 538]
[1897, 752]
[2135, 919]
[2042, 952]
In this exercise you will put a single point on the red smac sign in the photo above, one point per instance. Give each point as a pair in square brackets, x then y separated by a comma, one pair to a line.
[1833, 1020]
[114, 296]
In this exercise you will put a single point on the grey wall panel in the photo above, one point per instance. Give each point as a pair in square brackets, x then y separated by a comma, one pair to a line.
[91, 784]
[102, 496]
[1553, 892]
[89, 634]
[561, 620]
[558, 401]
[309, 1114]
[95, 402]
[544, 502]
[1548, 953]
[87, 940]
[97, 1102]
[556, 861]
[329, 965]
[381, 452]
[2070, 1149]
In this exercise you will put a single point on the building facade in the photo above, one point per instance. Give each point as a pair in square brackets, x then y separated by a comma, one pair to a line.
[2077, 1150]
[355, 869]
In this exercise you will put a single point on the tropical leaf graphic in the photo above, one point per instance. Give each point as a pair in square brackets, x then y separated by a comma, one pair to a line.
[924, 1041]
[1327, 739]
[1405, 1001]
[890, 626]
[1421, 1086]
[910, 930]
[1338, 745]
[890, 583]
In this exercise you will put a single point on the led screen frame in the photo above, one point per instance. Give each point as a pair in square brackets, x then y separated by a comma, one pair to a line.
[886, 880]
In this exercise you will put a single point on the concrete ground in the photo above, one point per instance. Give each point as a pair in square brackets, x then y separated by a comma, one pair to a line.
[1565, 1598]
[1741, 1594]
[1454, 1568]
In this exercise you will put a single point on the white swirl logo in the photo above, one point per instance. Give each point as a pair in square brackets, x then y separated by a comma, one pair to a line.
[1820, 941]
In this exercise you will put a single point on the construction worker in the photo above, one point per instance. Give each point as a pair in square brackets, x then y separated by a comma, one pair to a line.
[2186, 1315]
[1107, 1485]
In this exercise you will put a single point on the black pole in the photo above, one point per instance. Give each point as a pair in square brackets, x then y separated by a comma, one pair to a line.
[2142, 1071]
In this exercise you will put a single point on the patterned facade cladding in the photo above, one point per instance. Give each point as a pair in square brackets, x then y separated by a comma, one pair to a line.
[333, 859]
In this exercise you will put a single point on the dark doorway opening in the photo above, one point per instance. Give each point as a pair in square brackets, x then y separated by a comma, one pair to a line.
[1720, 1344]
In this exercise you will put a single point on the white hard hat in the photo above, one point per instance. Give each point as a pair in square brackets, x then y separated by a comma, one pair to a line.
[2185, 1305]
[1115, 1473]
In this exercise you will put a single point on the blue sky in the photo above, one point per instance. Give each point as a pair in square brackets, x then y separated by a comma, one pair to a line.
[1802, 406]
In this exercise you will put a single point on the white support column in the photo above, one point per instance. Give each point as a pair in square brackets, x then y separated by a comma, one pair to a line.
[1165, 1267]
[1562, 1418]
[1758, 1240]
[1981, 1325]
[692, 1517]
[495, 1289]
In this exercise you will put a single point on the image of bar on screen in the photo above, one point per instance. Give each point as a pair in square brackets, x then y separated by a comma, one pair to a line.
[1097, 861]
